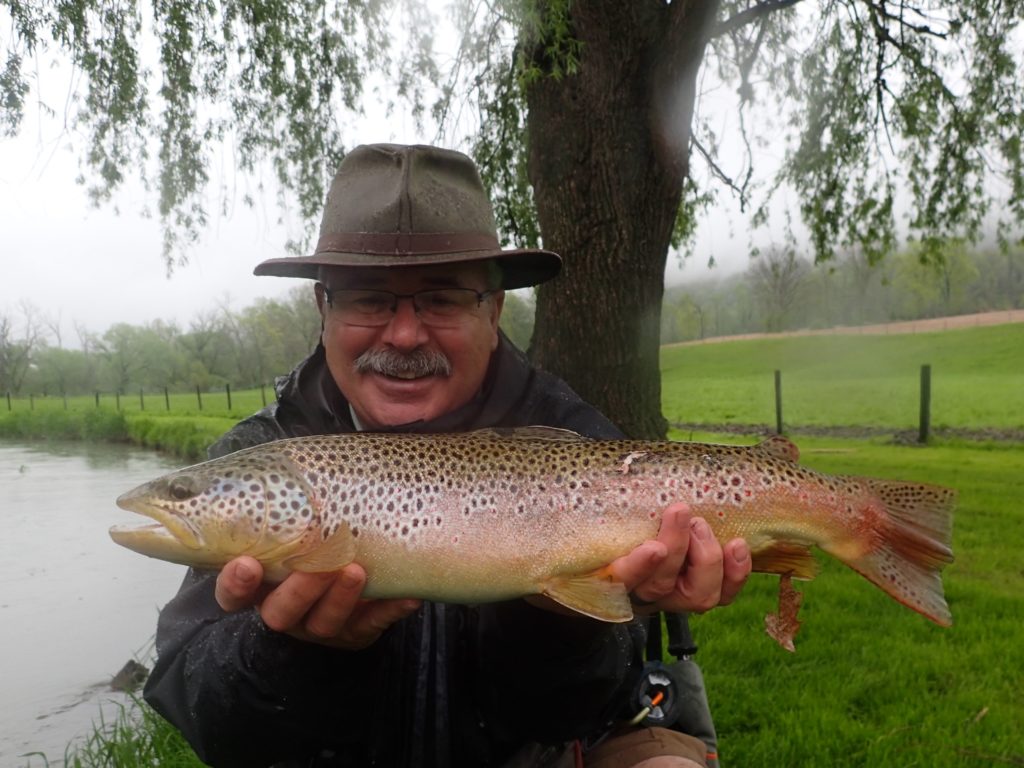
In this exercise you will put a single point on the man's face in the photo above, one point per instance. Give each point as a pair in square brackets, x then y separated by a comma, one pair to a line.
[396, 373]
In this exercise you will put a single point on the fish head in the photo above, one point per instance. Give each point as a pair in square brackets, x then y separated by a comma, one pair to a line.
[250, 503]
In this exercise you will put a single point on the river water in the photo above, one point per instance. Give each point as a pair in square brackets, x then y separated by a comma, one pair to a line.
[74, 606]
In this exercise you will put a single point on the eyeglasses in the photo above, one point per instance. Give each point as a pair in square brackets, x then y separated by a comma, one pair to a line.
[439, 308]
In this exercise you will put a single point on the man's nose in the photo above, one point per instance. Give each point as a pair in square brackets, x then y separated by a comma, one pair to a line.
[405, 330]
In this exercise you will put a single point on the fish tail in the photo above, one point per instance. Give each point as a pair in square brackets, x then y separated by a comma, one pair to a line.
[914, 547]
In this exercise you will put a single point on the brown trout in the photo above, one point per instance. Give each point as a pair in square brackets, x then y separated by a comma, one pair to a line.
[497, 514]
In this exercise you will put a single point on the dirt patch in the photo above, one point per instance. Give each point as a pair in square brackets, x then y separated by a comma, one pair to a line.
[927, 325]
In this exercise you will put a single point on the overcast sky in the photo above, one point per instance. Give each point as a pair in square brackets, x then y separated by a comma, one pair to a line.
[98, 266]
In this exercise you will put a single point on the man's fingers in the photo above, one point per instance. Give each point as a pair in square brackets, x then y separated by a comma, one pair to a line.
[737, 564]
[372, 618]
[332, 611]
[636, 567]
[238, 584]
[700, 583]
[284, 608]
[674, 533]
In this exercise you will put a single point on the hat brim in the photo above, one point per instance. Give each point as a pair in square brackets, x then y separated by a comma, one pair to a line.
[520, 268]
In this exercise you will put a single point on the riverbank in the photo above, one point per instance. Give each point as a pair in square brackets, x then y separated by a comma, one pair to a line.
[185, 437]
[76, 606]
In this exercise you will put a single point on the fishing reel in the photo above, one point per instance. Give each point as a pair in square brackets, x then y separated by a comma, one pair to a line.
[659, 695]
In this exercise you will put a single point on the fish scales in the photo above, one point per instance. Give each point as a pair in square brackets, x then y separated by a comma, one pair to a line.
[496, 514]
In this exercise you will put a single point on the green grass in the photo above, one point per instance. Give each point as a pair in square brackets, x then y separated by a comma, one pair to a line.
[184, 430]
[977, 379]
[872, 683]
[137, 738]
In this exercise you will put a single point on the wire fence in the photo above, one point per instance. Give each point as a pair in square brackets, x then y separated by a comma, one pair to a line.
[219, 399]
[246, 401]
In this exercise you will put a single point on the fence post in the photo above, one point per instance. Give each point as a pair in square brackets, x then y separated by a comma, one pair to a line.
[117, 399]
[64, 395]
[227, 389]
[778, 402]
[167, 399]
[142, 403]
[8, 400]
[926, 404]
[263, 394]
[97, 398]
[199, 398]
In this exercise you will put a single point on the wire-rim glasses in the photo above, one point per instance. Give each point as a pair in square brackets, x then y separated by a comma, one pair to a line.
[436, 307]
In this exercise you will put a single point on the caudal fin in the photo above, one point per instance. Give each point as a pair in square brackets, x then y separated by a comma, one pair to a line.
[915, 548]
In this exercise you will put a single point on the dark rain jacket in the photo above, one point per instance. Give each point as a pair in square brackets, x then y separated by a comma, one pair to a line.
[449, 685]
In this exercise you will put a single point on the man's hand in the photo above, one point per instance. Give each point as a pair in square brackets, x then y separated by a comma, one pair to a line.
[324, 608]
[685, 568]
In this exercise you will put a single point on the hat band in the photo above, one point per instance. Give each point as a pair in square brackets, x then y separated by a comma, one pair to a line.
[405, 242]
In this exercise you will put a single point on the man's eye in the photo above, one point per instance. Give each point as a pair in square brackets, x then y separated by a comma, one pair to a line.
[370, 304]
[439, 300]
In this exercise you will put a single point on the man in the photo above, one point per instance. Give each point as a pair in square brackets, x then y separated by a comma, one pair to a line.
[410, 280]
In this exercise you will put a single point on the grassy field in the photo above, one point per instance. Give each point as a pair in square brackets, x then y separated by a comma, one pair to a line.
[977, 379]
[872, 683]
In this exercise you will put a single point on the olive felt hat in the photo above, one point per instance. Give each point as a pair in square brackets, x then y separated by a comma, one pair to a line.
[397, 205]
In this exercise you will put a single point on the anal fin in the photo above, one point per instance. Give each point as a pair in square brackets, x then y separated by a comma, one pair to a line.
[783, 558]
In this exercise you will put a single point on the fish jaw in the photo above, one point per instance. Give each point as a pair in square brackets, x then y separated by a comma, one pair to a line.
[155, 540]
[169, 524]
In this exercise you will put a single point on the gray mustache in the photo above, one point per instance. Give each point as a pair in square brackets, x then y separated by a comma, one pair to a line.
[389, 362]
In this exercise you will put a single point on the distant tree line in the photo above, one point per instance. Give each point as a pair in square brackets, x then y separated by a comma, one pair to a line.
[244, 348]
[782, 290]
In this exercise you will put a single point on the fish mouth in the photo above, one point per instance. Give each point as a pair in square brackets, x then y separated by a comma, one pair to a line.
[169, 525]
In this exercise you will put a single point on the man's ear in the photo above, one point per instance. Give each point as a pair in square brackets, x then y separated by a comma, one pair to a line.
[498, 302]
[498, 298]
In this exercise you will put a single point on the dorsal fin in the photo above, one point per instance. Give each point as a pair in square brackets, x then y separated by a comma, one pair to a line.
[780, 447]
[531, 433]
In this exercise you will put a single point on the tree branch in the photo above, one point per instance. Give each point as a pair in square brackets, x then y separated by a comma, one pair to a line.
[750, 15]
[719, 173]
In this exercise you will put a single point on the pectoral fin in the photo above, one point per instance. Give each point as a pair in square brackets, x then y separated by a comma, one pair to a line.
[337, 551]
[594, 594]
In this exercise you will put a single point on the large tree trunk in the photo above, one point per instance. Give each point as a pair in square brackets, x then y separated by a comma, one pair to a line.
[608, 192]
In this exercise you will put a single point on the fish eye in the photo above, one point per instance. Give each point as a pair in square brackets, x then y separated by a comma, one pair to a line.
[181, 488]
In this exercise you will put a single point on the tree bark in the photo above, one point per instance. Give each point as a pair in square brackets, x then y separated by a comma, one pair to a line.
[608, 192]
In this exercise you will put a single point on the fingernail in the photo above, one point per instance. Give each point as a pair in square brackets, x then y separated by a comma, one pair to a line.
[349, 579]
[700, 529]
[741, 553]
[245, 573]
